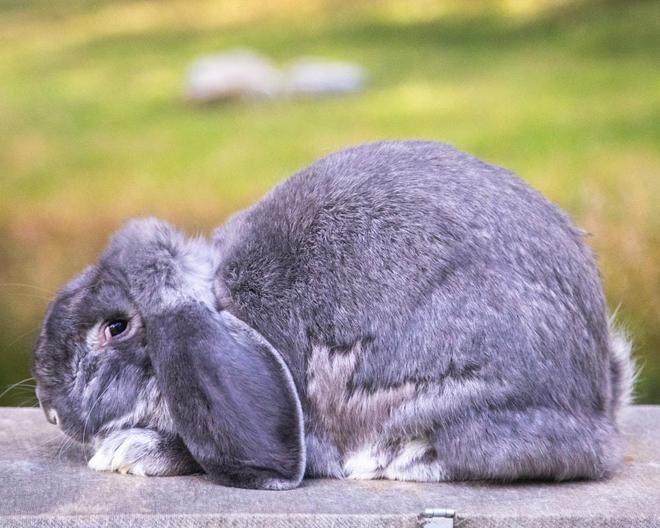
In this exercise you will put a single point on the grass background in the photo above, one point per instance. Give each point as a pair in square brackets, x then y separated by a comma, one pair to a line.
[93, 128]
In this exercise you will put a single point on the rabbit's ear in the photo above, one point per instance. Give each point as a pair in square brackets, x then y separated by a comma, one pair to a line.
[231, 396]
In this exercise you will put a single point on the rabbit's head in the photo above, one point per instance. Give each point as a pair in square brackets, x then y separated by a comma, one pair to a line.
[137, 341]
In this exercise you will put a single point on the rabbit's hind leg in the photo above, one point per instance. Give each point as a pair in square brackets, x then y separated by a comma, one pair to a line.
[532, 443]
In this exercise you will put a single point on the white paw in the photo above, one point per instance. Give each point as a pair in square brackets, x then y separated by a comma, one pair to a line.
[363, 465]
[127, 451]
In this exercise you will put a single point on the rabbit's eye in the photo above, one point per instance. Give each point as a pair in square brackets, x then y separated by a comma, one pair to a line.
[117, 327]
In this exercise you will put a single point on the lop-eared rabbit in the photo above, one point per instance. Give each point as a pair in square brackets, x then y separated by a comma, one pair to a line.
[398, 310]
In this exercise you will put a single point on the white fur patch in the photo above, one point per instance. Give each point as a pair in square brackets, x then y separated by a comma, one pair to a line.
[350, 419]
[621, 348]
[409, 463]
[362, 424]
[53, 417]
[412, 463]
[363, 465]
[124, 451]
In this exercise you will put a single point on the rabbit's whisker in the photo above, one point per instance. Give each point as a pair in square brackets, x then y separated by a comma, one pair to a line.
[15, 385]
[25, 285]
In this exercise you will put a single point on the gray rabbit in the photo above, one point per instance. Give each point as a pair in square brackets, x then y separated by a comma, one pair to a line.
[397, 310]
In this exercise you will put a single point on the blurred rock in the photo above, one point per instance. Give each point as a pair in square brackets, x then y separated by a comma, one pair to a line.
[236, 74]
[318, 77]
[244, 74]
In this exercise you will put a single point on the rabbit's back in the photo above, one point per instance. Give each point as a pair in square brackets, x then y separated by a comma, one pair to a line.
[411, 276]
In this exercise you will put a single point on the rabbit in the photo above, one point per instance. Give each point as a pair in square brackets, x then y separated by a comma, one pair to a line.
[397, 310]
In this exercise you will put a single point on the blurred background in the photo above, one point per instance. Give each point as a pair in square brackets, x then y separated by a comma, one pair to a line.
[95, 128]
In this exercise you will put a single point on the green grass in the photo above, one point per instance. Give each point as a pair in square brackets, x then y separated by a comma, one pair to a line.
[93, 128]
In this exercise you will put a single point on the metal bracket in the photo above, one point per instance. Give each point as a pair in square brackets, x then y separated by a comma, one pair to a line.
[437, 518]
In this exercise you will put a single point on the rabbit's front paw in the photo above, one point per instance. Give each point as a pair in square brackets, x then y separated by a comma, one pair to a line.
[135, 451]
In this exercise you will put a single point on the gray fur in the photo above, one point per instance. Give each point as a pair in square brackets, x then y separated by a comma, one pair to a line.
[431, 316]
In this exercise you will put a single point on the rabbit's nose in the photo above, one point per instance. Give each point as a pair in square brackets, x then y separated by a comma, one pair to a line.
[51, 415]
